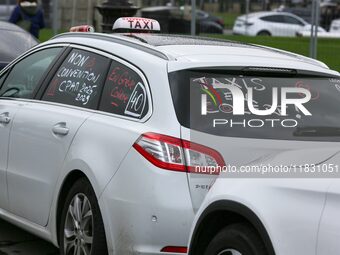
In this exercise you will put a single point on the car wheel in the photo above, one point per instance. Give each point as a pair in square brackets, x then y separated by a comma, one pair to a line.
[236, 239]
[264, 33]
[81, 230]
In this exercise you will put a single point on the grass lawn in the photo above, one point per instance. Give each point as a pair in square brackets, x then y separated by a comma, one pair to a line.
[46, 34]
[328, 49]
[229, 18]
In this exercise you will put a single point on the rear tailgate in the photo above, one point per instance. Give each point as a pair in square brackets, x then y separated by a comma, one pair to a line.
[241, 153]
[264, 125]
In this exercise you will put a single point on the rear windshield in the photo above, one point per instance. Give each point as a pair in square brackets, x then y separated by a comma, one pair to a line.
[258, 106]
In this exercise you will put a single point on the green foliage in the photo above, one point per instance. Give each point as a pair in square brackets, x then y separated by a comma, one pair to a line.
[229, 18]
[328, 49]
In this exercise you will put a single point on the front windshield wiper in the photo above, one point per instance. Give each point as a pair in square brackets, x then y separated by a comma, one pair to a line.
[317, 131]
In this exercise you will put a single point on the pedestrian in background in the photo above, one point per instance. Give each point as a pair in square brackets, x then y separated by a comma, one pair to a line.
[29, 16]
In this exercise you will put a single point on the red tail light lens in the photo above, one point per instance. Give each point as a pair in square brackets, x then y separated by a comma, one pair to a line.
[175, 154]
[221, 22]
[175, 249]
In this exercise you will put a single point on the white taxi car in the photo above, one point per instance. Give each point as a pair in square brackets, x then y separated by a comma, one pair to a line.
[96, 144]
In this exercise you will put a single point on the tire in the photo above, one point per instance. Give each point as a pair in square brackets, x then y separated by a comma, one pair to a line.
[236, 239]
[263, 33]
[85, 232]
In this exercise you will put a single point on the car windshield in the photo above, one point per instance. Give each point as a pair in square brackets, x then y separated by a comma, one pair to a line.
[291, 107]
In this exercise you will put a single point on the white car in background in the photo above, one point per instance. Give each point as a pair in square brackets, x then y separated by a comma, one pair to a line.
[335, 26]
[270, 24]
[334, 31]
[269, 216]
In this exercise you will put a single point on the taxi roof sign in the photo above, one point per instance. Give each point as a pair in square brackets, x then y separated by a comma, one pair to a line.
[136, 24]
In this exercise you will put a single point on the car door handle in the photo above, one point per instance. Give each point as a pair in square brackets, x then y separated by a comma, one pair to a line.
[4, 118]
[60, 129]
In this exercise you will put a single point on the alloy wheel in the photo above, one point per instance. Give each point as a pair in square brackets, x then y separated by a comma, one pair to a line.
[230, 252]
[78, 228]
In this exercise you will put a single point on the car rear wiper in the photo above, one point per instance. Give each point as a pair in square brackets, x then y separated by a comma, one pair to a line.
[317, 131]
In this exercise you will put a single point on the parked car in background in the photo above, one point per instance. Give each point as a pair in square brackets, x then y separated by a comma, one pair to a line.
[14, 41]
[177, 20]
[269, 216]
[335, 26]
[207, 17]
[6, 8]
[306, 32]
[208, 23]
[270, 24]
[334, 31]
[303, 13]
[328, 12]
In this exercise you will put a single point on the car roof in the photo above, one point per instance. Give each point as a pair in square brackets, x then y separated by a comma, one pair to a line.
[164, 39]
[267, 13]
[260, 14]
[4, 25]
[189, 49]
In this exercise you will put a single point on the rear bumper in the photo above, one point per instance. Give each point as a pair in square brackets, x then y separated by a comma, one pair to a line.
[146, 208]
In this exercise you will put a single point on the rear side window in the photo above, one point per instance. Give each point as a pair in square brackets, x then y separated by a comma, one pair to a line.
[292, 20]
[79, 80]
[274, 18]
[124, 92]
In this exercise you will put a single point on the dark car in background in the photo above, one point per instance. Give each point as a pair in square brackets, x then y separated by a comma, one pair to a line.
[329, 11]
[6, 8]
[205, 16]
[303, 13]
[177, 20]
[209, 23]
[14, 41]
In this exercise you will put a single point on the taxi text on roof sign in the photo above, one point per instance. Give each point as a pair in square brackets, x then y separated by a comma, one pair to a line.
[136, 24]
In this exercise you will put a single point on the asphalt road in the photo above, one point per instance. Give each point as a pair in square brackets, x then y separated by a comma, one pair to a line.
[14, 241]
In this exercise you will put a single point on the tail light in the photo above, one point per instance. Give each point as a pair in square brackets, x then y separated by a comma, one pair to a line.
[221, 22]
[175, 249]
[175, 154]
